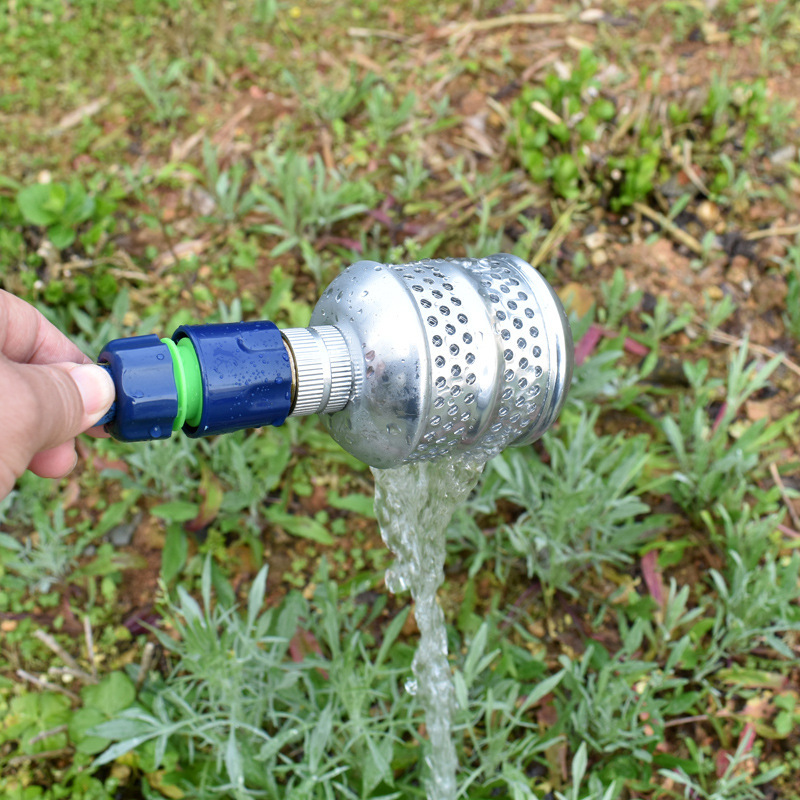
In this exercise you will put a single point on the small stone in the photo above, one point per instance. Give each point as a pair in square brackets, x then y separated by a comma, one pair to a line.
[737, 273]
[715, 293]
[595, 240]
[785, 155]
[599, 258]
[708, 213]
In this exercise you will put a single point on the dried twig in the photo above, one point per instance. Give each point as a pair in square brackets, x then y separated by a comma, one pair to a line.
[476, 26]
[753, 236]
[62, 751]
[554, 236]
[144, 667]
[43, 684]
[87, 633]
[689, 169]
[773, 470]
[725, 338]
[378, 33]
[47, 734]
[50, 642]
[79, 674]
[680, 235]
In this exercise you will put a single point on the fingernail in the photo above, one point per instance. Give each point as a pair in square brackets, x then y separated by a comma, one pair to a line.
[96, 388]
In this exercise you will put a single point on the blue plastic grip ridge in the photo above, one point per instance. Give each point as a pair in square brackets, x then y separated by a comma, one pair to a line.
[246, 374]
[147, 398]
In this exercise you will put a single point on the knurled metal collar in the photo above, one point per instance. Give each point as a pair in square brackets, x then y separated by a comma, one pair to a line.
[323, 369]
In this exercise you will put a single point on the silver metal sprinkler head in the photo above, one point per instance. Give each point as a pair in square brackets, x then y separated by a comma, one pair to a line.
[407, 362]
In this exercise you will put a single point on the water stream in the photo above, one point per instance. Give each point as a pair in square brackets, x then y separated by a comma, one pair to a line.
[413, 504]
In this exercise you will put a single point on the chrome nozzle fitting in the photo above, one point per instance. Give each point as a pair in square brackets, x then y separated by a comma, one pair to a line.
[447, 356]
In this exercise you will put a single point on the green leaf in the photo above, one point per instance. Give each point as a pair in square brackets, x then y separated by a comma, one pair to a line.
[61, 235]
[306, 527]
[32, 202]
[114, 692]
[173, 556]
[255, 598]
[361, 504]
[80, 723]
[176, 511]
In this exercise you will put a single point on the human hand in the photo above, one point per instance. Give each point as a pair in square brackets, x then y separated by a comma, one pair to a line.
[49, 393]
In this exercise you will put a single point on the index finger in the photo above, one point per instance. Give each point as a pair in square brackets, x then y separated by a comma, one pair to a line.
[28, 338]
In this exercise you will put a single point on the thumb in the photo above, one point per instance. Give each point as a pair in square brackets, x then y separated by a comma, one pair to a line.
[43, 406]
[75, 397]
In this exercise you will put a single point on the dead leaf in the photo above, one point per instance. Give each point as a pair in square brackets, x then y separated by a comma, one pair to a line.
[576, 297]
[78, 115]
[652, 577]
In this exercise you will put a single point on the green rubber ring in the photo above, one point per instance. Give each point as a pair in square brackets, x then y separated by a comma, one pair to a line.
[180, 383]
[188, 382]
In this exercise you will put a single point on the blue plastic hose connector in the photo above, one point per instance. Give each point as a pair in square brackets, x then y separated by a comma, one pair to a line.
[246, 376]
[146, 395]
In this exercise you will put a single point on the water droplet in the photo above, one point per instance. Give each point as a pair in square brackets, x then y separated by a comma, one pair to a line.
[370, 371]
[370, 355]
[339, 296]
[160, 356]
[155, 431]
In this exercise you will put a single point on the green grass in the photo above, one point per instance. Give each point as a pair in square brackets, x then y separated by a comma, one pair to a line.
[622, 598]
